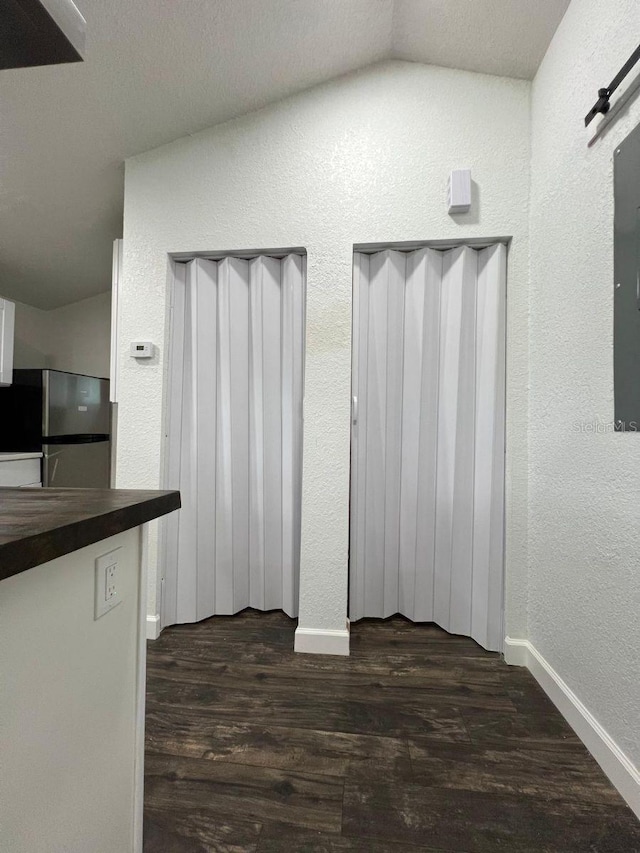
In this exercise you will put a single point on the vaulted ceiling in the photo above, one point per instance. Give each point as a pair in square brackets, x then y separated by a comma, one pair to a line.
[156, 70]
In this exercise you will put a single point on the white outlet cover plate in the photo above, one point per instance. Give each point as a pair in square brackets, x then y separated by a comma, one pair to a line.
[104, 563]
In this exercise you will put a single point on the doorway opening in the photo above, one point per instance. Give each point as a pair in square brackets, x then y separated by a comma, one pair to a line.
[428, 436]
[233, 437]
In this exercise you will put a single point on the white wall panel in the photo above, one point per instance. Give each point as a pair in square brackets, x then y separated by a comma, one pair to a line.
[584, 483]
[235, 437]
[428, 450]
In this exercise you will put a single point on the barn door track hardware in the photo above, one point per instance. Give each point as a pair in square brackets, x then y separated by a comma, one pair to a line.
[602, 104]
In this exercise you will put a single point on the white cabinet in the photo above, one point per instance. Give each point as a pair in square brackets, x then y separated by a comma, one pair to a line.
[7, 323]
[18, 469]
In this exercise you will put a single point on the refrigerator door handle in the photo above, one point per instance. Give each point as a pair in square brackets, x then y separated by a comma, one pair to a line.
[49, 473]
[46, 396]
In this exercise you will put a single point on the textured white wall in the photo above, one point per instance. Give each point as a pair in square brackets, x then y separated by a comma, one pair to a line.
[31, 341]
[75, 337]
[365, 158]
[584, 610]
[80, 336]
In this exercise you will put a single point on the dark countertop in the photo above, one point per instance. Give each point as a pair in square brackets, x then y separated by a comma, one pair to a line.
[38, 525]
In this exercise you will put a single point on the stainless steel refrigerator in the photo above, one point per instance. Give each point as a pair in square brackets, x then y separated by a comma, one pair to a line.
[64, 415]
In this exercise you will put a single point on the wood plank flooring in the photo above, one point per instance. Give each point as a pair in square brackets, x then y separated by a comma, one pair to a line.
[419, 742]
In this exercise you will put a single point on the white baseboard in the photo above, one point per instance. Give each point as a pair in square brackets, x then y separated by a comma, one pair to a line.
[153, 627]
[317, 641]
[618, 767]
[516, 652]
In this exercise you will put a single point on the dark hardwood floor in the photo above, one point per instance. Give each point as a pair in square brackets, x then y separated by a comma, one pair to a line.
[419, 742]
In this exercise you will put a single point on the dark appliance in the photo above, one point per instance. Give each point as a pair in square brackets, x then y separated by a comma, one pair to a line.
[66, 417]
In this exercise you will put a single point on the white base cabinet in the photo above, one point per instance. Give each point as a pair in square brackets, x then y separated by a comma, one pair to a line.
[20, 469]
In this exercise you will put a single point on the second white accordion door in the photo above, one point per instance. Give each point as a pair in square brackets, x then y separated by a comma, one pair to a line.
[427, 476]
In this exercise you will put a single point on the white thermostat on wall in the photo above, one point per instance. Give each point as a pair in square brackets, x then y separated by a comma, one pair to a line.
[141, 349]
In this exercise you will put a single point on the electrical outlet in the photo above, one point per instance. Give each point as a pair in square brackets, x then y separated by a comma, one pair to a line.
[110, 582]
[107, 595]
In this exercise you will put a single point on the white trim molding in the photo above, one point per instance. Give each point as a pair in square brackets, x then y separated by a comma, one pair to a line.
[153, 626]
[615, 763]
[317, 641]
[516, 652]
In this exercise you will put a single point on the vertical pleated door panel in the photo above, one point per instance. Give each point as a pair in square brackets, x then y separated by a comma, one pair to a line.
[455, 449]
[232, 505]
[379, 407]
[427, 498]
[235, 437]
[293, 278]
[489, 480]
[419, 433]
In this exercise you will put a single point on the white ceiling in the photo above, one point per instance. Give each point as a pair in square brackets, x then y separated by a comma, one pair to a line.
[504, 37]
[157, 70]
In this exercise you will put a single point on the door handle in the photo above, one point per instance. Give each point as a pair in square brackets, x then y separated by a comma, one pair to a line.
[354, 410]
[51, 470]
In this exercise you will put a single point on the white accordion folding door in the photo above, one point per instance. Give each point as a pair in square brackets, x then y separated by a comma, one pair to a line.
[427, 470]
[234, 442]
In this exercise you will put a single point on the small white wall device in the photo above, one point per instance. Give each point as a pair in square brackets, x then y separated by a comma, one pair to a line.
[107, 595]
[141, 349]
[459, 191]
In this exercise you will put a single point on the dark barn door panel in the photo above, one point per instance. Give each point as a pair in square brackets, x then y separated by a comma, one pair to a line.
[626, 314]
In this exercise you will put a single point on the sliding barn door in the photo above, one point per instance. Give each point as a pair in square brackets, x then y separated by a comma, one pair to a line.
[235, 438]
[427, 479]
